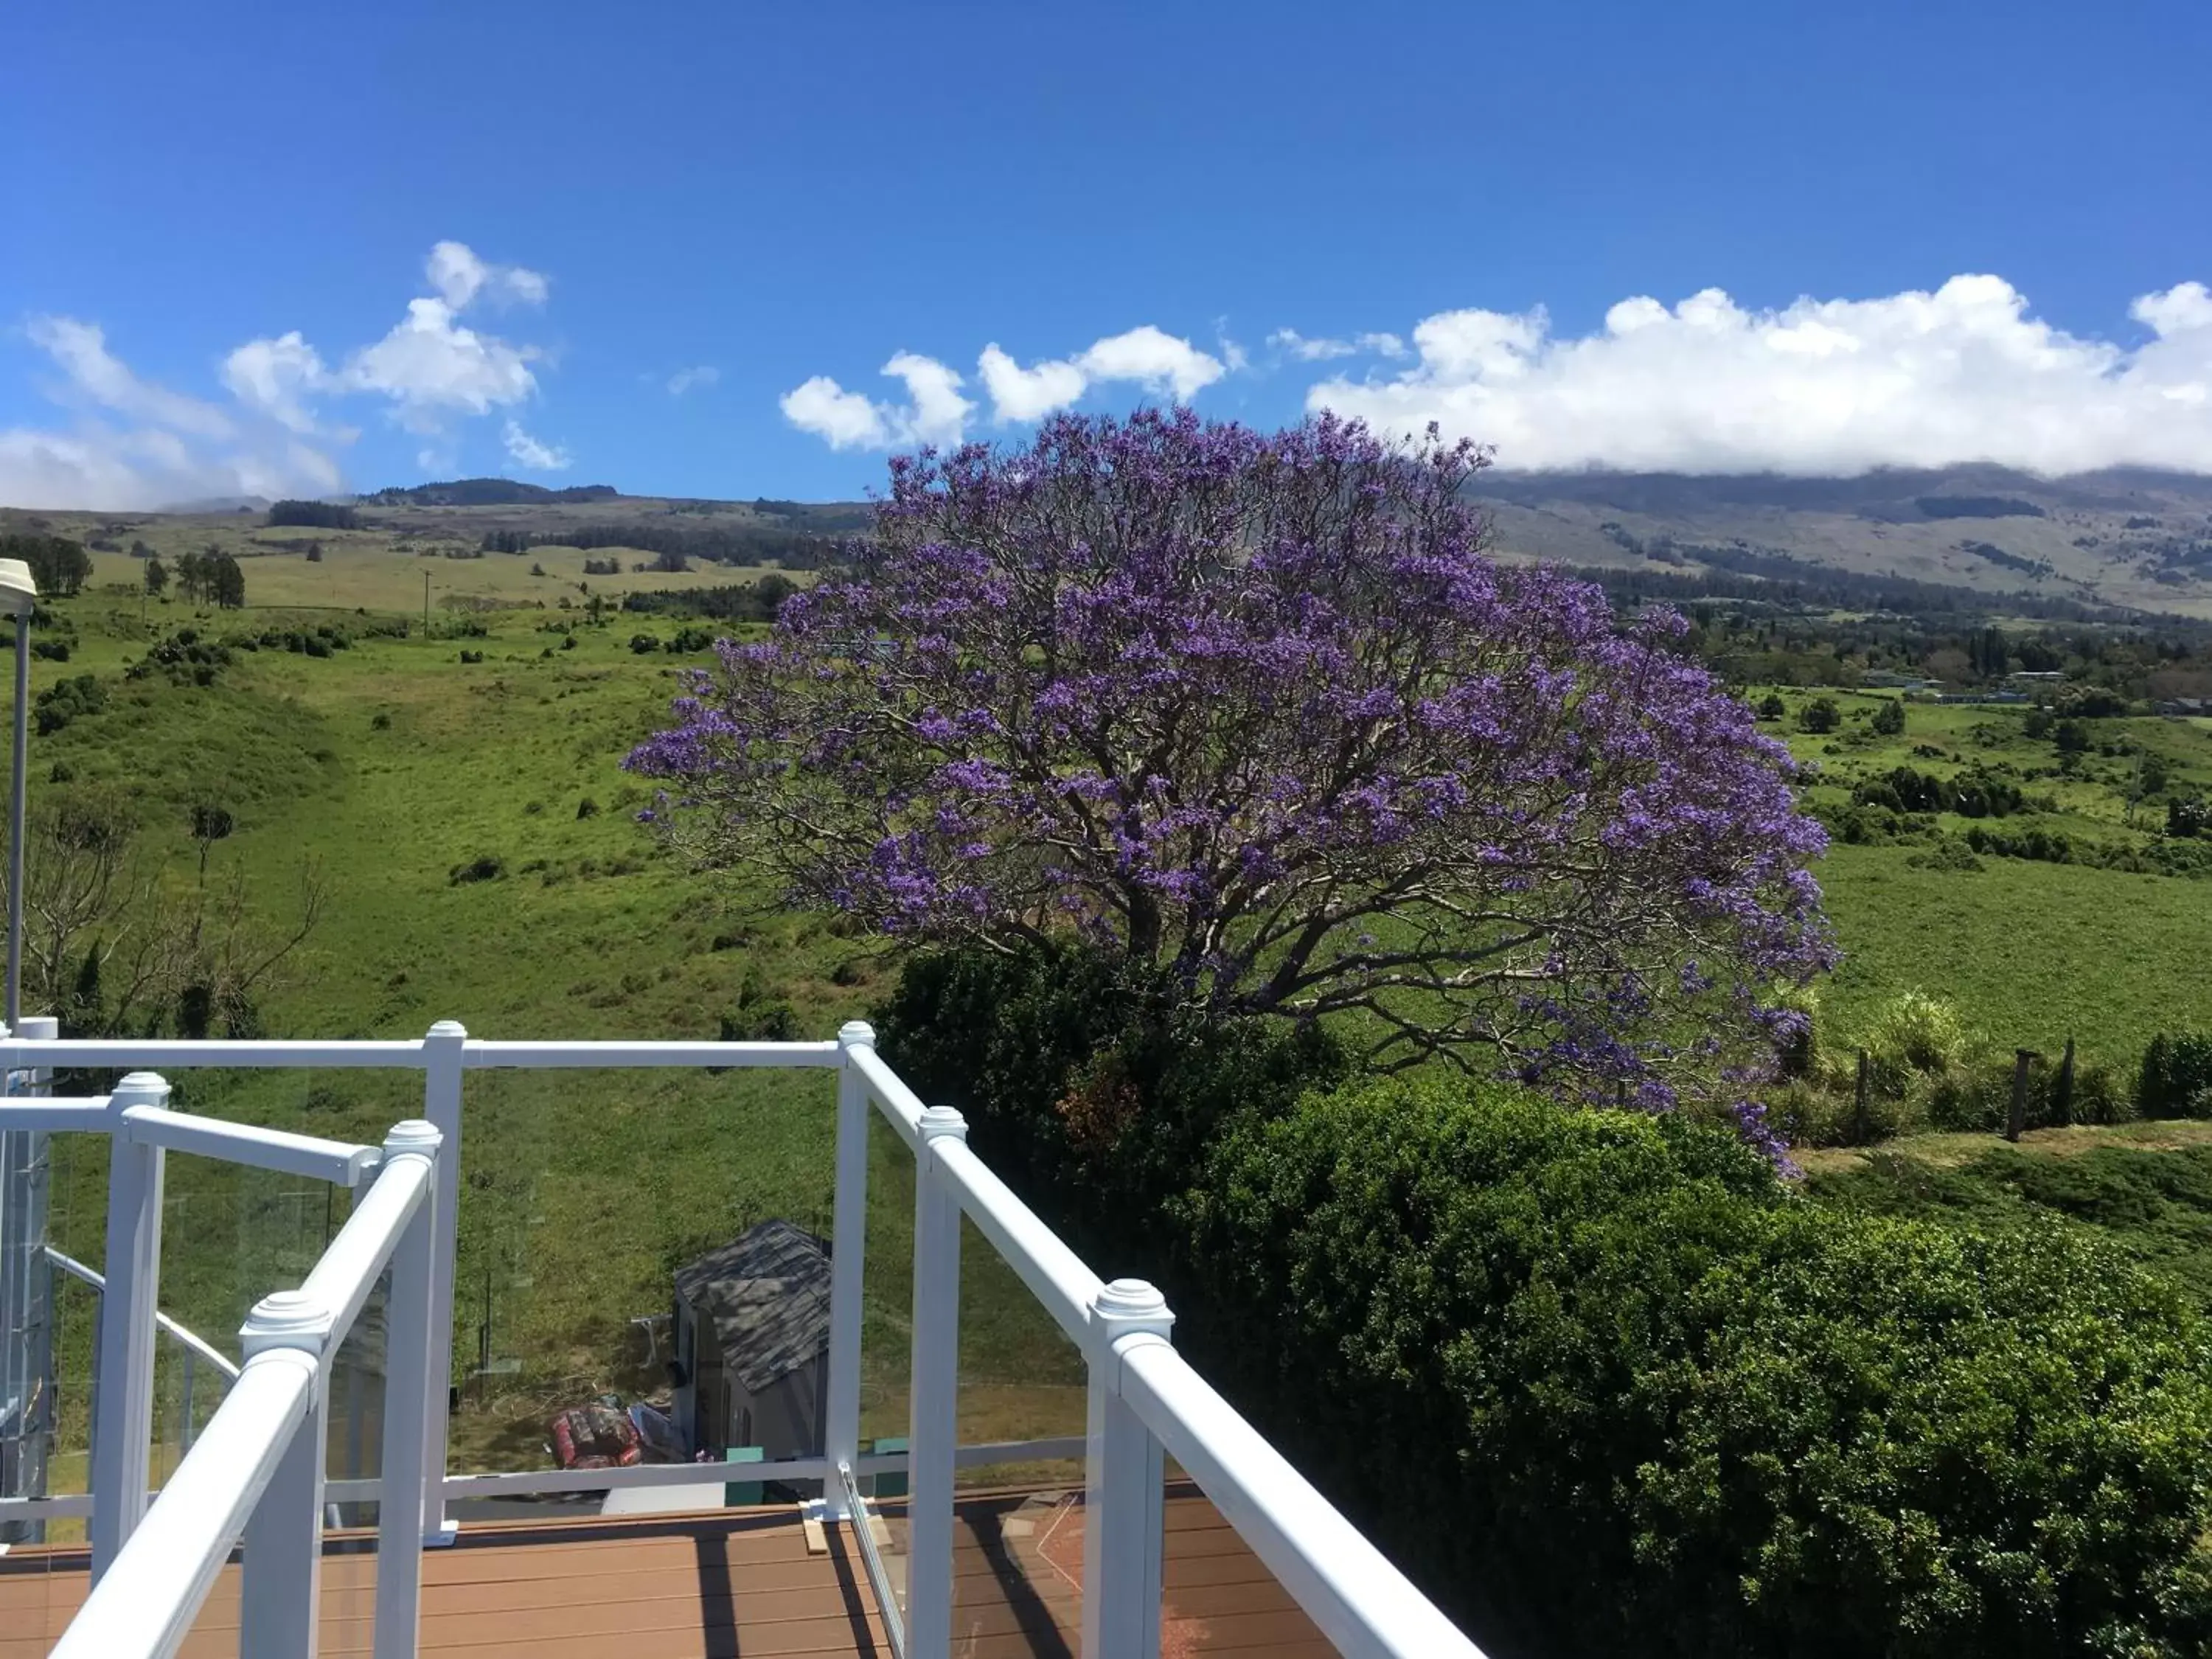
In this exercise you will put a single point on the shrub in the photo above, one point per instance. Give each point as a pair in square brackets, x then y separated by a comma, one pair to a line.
[645, 644]
[1092, 1090]
[1671, 1412]
[1818, 715]
[485, 866]
[68, 700]
[1889, 719]
[51, 650]
[2175, 1079]
[1914, 1032]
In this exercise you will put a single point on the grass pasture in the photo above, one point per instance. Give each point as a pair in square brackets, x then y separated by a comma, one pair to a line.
[393, 766]
[388, 765]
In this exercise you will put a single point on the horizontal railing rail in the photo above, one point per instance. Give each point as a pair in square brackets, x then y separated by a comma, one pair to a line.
[1145, 1403]
[190, 1342]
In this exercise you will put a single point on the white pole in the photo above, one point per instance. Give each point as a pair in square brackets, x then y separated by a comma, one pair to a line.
[933, 1425]
[410, 1320]
[1122, 1523]
[443, 1050]
[281, 1594]
[16, 803]
[848, 1255]
[123, 1418]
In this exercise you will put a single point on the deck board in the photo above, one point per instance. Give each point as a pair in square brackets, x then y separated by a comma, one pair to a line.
[734, 1584]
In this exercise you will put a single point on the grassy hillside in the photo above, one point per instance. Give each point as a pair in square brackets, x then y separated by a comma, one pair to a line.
[395, 767]
[389, 764]
[2029, 950]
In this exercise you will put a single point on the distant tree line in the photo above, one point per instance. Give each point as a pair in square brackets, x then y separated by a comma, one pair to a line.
[754, 601]
[59, 566]
[316, 515]
[676, 545]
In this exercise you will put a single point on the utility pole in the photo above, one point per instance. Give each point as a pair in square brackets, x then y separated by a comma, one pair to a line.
[425, 605]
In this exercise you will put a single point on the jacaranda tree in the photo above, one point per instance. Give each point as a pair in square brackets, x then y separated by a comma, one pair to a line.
[1257, 713]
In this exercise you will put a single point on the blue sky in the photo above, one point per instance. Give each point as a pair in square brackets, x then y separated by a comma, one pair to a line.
[1497, 217]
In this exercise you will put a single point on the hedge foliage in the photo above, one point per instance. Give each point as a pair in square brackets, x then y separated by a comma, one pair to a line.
[1602, 1385]
[1598, 1381]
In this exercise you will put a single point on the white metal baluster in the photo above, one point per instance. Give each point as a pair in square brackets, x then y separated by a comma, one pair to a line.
[1122, 1525]
[933, 1425]
[847, 1256]
[282, 1591]
[443, 1050]
[409, 1318]
[123, 1427]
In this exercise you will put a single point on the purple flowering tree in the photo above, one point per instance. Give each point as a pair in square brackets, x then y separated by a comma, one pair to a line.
[1257, 712]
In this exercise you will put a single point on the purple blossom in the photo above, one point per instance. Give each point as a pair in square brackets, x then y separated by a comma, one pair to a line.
[1259, 709]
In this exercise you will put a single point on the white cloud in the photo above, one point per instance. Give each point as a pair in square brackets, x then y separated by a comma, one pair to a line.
[935, 412]
[1027, 394]
[1821, 386]
[842, 419]
[275, 376]
[1157, 361]
[685, 378]
[1293, 343]
[938, 413]
[134, 444]
[527, 452]
[80, 350]
[459, 276]
[430, 364]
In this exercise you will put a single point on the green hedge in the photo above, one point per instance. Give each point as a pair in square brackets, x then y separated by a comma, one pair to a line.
[1093, 1093]
[1601, 1385]
[2175, 1079]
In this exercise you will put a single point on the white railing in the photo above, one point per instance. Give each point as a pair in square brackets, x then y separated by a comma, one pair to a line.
[258, 1464]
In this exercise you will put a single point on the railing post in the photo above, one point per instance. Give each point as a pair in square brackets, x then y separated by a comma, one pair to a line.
[27, 1309]
[848, 1257]
[123, 1421]
[933, 1425]
[1121, 1524]
[443, 1051]
[281, 1595]
[410, 1315]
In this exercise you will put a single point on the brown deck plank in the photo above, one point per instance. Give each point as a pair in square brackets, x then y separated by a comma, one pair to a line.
[727, 1583]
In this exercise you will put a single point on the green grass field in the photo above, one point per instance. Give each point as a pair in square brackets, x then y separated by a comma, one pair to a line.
[389, 764]
[2029, 951]
[392, 764]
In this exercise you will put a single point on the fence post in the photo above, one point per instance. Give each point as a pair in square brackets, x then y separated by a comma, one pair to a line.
[933, 1425]
[122, 1420]
[848, 1257]
[443, 1051]
[282, 1589]
[410, 1316]
[1861, 1130]
[1122, 1532]
[2016, 1114]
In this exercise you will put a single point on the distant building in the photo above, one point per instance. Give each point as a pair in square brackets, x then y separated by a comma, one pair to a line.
[2002, 697]
[1888, 679]
[2185, 706]
[752, 1344]
[2034, 677]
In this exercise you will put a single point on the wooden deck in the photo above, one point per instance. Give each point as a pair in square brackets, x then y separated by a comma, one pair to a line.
[734, 1585]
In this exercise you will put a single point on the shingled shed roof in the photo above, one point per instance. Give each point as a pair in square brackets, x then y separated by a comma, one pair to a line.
[767, 1293]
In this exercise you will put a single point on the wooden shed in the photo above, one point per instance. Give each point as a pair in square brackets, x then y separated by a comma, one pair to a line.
[751, 1331]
